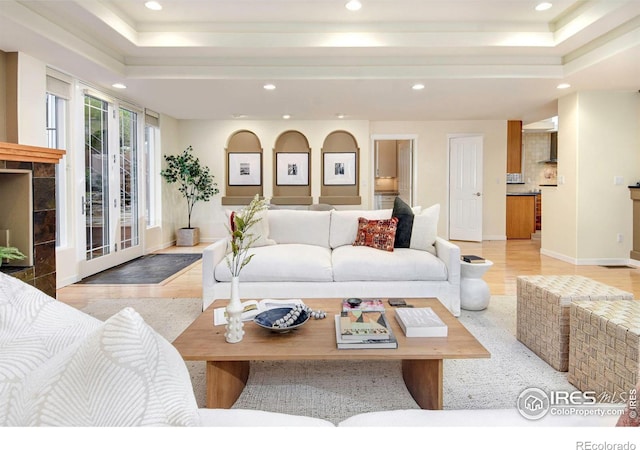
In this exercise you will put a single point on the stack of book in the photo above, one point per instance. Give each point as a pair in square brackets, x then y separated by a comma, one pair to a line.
[421, 322]
[472, 259]
[362, 328]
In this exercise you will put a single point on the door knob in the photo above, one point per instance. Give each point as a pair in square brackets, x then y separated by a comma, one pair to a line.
[477, 194]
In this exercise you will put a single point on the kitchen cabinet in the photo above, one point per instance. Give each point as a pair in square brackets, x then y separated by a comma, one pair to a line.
[521, 216]
[386, 159]
[385, 201]
[514, 146]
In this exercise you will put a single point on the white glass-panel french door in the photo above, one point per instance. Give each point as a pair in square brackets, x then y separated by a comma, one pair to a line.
[111, 200]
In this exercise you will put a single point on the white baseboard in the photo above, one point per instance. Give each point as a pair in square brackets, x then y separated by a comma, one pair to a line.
[67, 281]
[588, 261]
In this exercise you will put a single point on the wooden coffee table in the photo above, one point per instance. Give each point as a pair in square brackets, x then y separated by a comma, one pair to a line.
[228, 364]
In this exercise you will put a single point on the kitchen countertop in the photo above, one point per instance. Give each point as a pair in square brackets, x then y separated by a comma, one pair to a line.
[522, 193]
[386, 192]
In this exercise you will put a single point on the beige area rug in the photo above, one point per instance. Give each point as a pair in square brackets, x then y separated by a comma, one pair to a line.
[336, 390]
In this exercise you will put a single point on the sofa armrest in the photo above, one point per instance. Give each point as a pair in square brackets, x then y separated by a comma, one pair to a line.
[449, 253]
[211, 257]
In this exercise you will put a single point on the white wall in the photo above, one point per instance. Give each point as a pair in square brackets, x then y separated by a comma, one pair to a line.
[32, 91]
[209, 139]
[433, 167]
[598, 140]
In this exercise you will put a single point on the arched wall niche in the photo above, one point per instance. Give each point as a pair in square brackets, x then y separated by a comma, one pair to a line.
[340, 177]
[244, 174]
[292, 170]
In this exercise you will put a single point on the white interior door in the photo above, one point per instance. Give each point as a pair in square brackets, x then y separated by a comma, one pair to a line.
[465, 188]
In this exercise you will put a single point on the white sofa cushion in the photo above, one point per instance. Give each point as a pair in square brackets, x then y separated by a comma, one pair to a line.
[344, 224]
[33, 328]
[472, 418]
[256, 418]
[425, 229]
[122, 374]
[353, 263]
[283, 262]
[288, 226]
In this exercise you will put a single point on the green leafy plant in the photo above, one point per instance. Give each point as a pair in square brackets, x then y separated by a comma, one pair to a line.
[10, 253]
[195, 182]
[241, 236]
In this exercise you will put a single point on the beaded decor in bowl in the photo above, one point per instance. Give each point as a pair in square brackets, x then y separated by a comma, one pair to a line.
[283, 320]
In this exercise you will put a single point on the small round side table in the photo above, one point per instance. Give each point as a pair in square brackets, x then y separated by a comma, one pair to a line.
[474, 291]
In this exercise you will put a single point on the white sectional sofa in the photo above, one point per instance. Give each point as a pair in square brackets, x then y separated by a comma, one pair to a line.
[309, 254]
[62, 367]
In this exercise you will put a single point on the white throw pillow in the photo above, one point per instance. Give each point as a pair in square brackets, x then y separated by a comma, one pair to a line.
[122, 374]
[34, 327]
[425, 229]
[290, 226]
[260, 230]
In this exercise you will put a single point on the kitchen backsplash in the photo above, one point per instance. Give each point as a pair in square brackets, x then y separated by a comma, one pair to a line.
[535, 173]
[386, 184]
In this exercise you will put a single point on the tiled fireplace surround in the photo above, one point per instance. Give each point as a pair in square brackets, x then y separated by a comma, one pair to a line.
[43, 272]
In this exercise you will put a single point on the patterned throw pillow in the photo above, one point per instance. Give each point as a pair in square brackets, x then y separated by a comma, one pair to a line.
[122, 374]
[380, 234]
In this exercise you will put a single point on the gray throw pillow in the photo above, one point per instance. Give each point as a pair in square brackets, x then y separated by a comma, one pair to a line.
[404, 213]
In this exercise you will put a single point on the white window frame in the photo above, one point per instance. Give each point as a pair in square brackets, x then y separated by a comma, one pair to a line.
[57, 137]
[152, 179]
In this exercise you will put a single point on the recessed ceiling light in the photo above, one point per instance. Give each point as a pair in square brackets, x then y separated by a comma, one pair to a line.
[340, 116]
[119, 86]
[417, 87]
[269, 87]
[154, 6]
[353, 5]
[563, 86]
[286, 116]
[543, 6]
[238, 116]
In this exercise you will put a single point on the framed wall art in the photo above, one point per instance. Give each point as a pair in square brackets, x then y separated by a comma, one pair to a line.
[245, 169]
[339, 169]
[292, 169]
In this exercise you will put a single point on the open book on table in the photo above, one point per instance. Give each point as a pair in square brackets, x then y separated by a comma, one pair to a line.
[252, 308]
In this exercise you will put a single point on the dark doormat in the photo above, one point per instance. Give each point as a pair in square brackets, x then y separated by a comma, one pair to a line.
[618, 267]
[148, 269]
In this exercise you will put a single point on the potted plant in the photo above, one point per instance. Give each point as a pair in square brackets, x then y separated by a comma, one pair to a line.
[10, 253]
[195, 183]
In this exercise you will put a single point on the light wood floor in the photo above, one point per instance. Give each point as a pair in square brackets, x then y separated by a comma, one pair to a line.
[510, 259]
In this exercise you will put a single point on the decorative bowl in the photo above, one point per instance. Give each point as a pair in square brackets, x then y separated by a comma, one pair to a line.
[266, 319]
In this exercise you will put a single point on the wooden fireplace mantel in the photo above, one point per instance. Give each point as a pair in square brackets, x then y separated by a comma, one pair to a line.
[29, 153]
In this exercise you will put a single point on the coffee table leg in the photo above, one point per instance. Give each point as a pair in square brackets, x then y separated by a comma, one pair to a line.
[225, 382]
[423, 378]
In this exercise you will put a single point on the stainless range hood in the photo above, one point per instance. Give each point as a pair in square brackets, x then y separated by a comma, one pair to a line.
[553, 148]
